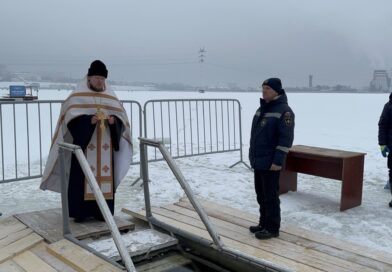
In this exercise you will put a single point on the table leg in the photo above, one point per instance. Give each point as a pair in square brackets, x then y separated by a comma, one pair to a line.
[352, 183]
[287, 181]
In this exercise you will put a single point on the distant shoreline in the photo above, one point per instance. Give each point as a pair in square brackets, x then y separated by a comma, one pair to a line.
[140, 88]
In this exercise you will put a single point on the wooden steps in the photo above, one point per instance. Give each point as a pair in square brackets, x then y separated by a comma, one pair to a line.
[31, 262]
[297, 249]
[15, 238]
[49, 224]
[79, 258]
[22, 250]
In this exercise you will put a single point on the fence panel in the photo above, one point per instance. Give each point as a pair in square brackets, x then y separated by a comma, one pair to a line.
[191, 127]
[26, 131]
[187, 127]
[135, 117]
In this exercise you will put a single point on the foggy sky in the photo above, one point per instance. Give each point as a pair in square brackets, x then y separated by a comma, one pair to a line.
[337, 41]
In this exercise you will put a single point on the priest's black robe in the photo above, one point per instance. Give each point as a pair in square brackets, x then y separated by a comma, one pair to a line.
[82, 130]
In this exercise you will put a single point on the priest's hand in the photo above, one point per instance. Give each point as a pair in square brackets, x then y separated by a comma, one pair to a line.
[111, 120]
[94, 120]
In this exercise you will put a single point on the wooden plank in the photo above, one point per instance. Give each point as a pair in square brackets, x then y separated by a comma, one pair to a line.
[323, 152]
[227, 213]
[10, 225]
[32, 263]
[340, 244]
[165, 264]
[49, 224]
[19, 246]
[243, 228]
[224, 209]
[137, 215]
[41, 252]
[12, 237]
[221, 215]
[10, 266]
[8, 221]
[243, 247]
[280, 247]
[79, 258]
[215, 221]
[336, 252]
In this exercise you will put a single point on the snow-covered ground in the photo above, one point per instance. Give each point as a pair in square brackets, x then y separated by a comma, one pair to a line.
[339, 121]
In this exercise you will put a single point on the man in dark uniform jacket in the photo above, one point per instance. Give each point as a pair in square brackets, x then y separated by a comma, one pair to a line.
[271, 137]
[385, 136]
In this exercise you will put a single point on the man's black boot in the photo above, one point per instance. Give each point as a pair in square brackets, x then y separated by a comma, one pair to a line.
[254, 229]
[390, 204]
[266, 234]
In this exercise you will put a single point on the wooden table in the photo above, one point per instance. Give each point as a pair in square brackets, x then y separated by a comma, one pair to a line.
[328, 163]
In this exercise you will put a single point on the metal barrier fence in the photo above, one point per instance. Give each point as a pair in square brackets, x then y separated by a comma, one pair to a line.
[135, 116]
[188, 127]
[26, 131]
[191, 127]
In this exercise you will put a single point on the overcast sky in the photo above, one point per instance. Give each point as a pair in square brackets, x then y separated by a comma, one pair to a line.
[337, 41]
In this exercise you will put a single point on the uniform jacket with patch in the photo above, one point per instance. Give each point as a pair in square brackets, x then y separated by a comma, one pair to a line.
[272, 133]
[385, 125]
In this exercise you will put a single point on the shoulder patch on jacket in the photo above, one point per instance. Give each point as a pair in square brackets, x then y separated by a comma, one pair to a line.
[288, 118]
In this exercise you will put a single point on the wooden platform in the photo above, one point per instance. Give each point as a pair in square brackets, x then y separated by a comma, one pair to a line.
[23, 250]
[296, 249]
[36, 244]
[49, 224]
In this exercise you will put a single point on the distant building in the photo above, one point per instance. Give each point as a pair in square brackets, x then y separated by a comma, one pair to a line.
[25, 76]
[310, 81]
[381, 81]
[4, 74]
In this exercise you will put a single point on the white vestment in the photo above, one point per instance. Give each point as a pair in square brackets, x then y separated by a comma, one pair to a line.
[84, 101]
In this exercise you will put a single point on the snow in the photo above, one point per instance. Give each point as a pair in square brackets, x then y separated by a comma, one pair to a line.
[339, 121]
[136, 242]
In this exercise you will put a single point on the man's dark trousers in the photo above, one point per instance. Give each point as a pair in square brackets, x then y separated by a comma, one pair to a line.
[390, 170]
[267, 191]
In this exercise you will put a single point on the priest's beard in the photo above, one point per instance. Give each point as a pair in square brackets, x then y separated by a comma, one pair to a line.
[96, 89]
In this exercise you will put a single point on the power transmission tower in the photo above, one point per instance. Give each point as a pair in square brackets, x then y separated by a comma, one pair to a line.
[202, 55]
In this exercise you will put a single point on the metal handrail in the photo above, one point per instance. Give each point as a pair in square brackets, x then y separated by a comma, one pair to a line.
[181, 179]
[98, 196]
[144, 142]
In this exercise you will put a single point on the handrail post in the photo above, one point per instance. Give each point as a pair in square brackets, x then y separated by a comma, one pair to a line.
[64, 194]
[144, 176]
[101, 204]
[181, 179]
[188, 191]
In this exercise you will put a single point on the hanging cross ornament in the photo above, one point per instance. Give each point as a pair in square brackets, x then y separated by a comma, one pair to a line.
[101, 118]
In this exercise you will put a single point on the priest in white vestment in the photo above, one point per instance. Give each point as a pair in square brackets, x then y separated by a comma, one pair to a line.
[93, 118]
